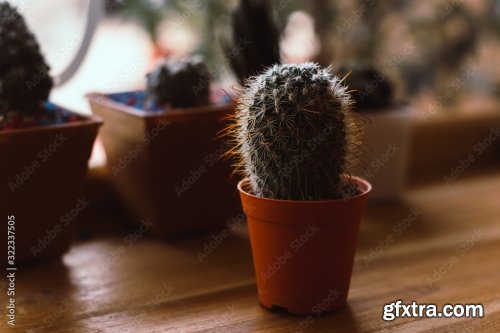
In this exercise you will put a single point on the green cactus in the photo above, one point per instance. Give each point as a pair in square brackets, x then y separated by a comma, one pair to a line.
[295, 135]
[24, 76]
[179, 83]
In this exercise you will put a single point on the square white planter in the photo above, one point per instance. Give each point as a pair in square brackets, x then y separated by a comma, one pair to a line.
[387, 136]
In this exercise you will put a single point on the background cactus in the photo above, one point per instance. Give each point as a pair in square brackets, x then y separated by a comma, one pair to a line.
[180, 83]
[295, 134]
[370, 89]
[255, 39]
[24, 76]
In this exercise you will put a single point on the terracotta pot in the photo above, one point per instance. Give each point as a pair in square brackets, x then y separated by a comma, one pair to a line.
[175, 180]
[42, 173]
[303, 251]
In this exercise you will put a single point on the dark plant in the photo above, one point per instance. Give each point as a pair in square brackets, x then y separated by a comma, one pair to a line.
[253, 26]
[370, 89]
[179, 83]
[295, 135]
[25, 82]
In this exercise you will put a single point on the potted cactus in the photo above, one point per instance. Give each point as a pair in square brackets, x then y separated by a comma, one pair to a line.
[163, 149]
[44, 148]
[387, 132]
[296, 139]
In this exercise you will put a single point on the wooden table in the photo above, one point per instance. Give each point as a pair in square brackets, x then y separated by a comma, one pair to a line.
[114, 284]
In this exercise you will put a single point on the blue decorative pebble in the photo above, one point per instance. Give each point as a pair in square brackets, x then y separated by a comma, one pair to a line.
[137, 100]
[53, 115]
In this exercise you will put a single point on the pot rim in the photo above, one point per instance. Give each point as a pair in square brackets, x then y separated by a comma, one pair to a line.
[363, 185]
[169, 113]
[88, 120]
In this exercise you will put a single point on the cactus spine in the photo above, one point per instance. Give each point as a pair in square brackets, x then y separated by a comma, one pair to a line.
[295, 135]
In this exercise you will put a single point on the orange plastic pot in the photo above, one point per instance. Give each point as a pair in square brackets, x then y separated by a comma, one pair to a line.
[303, 251]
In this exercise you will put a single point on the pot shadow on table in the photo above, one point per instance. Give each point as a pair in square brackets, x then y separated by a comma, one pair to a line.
[217, 244]
[44, 295]
[342, 320]
[394, 221]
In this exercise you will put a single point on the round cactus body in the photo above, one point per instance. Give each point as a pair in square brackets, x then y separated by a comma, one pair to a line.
[25, 82]
[295, 134]
[179, 83]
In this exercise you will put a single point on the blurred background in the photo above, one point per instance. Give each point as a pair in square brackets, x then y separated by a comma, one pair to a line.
[438, 53]
[442, 56]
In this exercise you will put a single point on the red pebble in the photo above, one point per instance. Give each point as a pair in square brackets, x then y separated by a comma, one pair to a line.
[131, 100]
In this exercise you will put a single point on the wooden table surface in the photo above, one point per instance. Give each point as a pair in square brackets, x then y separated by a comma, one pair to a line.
[445, 249]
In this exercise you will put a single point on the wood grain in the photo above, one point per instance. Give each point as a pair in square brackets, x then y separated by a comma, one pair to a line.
[109, 284]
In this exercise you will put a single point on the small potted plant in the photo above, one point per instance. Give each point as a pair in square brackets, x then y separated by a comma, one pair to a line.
[163, 149]
[44, 149]
[296, 138]
[387, 132]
